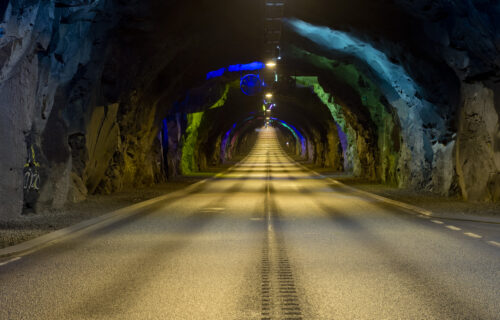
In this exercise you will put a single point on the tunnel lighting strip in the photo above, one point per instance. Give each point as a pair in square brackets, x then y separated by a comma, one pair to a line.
[236, 68]
[377, 60]
[227, 135]
[295, 133]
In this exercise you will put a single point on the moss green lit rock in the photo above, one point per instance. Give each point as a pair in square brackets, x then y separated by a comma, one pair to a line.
[223, 98]
[325, 97]
[370, 97]
[190, 138]
[188, 160]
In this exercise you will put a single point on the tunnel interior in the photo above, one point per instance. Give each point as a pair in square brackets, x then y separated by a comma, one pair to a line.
[101, 95]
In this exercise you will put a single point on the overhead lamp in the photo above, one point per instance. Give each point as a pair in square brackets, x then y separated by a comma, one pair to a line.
[271, 64]
[269, 95]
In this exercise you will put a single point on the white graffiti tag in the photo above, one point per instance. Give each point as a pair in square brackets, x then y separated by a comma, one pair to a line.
[31, 180]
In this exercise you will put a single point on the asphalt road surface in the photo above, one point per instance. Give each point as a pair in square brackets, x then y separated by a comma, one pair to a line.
[266, 240]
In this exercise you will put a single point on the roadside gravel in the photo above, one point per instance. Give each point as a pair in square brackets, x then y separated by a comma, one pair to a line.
[30, 226]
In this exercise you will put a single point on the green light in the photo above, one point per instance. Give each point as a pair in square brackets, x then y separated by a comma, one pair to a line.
[222, 100]
[290, 129]
[188, 162]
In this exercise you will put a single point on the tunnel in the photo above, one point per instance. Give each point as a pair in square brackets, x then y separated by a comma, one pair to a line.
[98, 96]
[249, 159]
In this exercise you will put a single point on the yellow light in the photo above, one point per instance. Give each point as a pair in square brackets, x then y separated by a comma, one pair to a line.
[271, 64]
[269, 95]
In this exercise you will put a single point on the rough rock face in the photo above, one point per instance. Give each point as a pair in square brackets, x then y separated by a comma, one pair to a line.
[102, 140]
[50, 54]
[41, 49]
[429, 54]
[478, 150]
[86, 84]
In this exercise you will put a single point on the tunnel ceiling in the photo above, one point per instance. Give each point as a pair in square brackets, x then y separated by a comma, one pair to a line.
[403, 92]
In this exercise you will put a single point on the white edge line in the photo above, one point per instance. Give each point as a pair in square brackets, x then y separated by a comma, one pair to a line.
[9, 261]
[374, 196]
[82, 227]
[399, 204]
[494, 243]
[473, 235]
[91, 224]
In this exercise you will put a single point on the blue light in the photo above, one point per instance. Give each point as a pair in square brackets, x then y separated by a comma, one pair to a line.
[294, 132]
[250, 84]
[236, 68]
[216, 73]
[391, 73]
[246, 67]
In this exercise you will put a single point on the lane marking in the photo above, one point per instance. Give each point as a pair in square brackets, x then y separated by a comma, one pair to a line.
[473, 235]
[494, 243]
[437, 221]
[421, 213]
[396, 203]
[9, 261]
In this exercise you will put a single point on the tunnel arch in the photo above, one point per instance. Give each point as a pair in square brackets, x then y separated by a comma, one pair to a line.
[87, 85]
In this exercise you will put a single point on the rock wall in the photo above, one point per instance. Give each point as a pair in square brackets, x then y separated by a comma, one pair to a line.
[76, 122]
[478, 144]
[86, 84]
[42, 47]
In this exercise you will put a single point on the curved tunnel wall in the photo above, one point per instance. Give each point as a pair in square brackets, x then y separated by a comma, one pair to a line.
[86, 85]
[425, 156]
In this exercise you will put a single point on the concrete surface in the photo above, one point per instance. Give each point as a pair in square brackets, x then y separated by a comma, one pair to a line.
[266, 240]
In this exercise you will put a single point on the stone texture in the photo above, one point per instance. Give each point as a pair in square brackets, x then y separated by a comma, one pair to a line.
[102, 141]
[77, 190]
[17, 102]
[443, 168]
[479, 126]
[84, 86]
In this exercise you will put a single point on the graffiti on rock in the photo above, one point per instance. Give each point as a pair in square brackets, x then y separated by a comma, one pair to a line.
[31, 179]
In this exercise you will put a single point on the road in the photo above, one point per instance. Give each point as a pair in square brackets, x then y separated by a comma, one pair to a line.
[267, 239]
